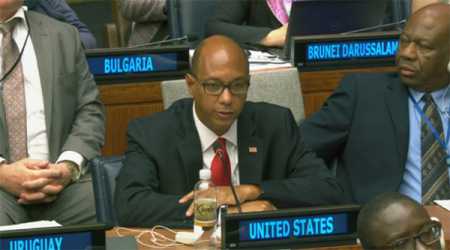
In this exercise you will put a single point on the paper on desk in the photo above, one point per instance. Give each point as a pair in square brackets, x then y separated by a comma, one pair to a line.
[443, 203]
[31, 225]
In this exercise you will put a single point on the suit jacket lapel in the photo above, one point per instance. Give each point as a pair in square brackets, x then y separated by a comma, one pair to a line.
[189, 147]
[250, 149]
[397, 104]
[42, 47]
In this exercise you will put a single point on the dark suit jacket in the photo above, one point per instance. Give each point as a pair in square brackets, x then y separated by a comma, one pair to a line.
[61, 11]
[364, 124]
[245, 21]
[164, 157]
[73, 112]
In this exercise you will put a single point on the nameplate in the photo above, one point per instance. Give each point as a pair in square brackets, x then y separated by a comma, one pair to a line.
[58, 238]
[344, 51]
[296, 228]
[137, 64]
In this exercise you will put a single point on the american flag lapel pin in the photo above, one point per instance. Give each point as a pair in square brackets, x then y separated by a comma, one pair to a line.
[252, 149]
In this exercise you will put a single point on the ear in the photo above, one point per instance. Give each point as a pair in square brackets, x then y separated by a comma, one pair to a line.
[448, 67]
[190, 83]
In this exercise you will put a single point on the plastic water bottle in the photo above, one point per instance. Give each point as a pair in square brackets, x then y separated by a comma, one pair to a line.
[205, 202]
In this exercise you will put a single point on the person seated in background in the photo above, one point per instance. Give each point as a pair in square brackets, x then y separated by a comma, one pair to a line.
[149, 20]
[395, 221]
[265, 157]
[252, 22]
[418, 4]
[59, 10]
[52, 120]
[386, 130]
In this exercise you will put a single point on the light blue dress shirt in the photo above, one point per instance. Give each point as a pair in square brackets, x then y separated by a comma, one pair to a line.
[412, 178]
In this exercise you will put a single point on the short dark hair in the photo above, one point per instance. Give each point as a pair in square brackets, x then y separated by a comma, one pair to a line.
[371, 211]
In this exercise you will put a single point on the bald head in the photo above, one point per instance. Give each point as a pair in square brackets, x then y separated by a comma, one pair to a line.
[388, 217]
[441, 11]
[424, 50]
[218, 49]
[218, 82]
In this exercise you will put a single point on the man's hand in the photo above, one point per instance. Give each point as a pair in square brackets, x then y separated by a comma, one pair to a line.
[254, 206]
[12, 176]
[225, 196]
[275, 38]
[46, 190]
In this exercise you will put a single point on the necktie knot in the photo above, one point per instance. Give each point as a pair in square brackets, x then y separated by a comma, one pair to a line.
[427, 98]
[7, 28]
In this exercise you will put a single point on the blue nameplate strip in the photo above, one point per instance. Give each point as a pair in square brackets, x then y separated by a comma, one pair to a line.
[291, 228]
[61, 238]
[126, 64]
[295, 227]
[52, 242]
[351, 50]
[345, 51]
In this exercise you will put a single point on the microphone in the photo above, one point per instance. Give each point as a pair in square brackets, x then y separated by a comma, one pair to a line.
[218, 151]
[185, 38]
[380, 26]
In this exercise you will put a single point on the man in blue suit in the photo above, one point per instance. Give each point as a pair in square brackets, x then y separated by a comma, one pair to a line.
[61, 11]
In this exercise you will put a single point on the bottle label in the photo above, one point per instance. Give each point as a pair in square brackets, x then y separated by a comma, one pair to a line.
[205, 212]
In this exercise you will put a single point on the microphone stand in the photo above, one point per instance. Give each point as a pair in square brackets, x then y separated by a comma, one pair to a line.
[162, 42]
[374, 27]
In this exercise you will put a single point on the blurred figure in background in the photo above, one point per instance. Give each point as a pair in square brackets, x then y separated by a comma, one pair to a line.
[252, 21]
[149, 20]
[61, 11]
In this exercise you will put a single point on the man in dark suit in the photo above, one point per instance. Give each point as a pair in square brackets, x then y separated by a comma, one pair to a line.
[251, 22]
[52, 120]
[371, 126]
[267, 160]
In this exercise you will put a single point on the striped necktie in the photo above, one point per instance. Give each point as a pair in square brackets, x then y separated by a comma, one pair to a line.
[435, 180]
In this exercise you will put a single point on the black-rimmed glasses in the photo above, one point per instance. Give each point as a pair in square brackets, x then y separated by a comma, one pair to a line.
[429, 234]
[216, 87]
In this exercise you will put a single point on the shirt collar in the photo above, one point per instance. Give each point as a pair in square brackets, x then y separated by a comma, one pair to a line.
[441, 97]
[20, 13]
[208, 137]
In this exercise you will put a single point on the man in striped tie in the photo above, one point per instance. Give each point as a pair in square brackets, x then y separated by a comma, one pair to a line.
[390, 131]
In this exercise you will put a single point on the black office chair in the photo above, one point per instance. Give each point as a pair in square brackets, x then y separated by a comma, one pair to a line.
[189, 18]
[104, 172]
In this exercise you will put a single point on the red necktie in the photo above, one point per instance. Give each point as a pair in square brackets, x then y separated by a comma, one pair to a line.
[220, 166]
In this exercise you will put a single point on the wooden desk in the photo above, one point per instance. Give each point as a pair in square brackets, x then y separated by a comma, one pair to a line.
[436, 211]
[125, 102]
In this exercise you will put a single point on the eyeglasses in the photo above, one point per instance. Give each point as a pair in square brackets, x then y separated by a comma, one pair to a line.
[429, 234]
[216, 87]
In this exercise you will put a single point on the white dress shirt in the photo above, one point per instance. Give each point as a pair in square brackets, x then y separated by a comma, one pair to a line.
[207, 139]
[37, 139]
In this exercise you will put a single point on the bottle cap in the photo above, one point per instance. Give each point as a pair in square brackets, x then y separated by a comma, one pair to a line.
[205, 174]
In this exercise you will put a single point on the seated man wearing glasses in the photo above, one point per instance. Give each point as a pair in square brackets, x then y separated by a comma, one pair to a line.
[263, 154]
[395, 221]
